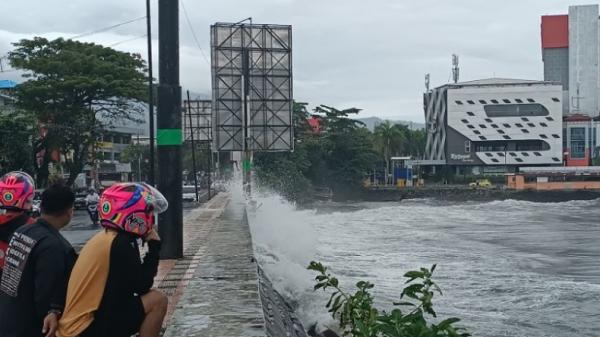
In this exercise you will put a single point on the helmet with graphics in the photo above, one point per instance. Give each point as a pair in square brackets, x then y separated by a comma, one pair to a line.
[16, 191]
[130, 207]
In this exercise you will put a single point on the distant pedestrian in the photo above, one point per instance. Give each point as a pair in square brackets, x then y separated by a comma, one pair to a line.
[37, 267]
[16, 201]
[110, 291]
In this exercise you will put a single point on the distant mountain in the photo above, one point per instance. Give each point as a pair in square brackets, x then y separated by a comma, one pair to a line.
[372, 122]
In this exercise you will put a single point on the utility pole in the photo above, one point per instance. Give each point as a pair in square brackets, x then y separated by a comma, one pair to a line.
[191, 128]
[150, 92]
[169, 136]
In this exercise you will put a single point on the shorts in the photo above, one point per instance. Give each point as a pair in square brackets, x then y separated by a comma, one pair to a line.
[122, 320]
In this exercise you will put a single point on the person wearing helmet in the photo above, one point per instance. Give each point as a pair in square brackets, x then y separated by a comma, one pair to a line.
[16, 201]
[37, 267]
[110, 290]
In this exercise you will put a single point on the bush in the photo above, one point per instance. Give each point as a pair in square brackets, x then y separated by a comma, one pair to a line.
[358, 318]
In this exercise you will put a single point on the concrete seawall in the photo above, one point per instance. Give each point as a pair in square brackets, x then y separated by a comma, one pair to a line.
[217, 289]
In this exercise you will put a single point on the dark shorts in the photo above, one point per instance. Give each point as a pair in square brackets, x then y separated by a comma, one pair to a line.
[123, 320]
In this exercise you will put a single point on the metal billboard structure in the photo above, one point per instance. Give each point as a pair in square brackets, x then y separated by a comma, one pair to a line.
[252, 87]
[197, 120]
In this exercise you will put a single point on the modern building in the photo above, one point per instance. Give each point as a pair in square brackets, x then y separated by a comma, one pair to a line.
[494, 125]
[570, 52]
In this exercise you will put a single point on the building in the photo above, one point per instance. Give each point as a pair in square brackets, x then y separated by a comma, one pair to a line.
[570, 52]
[494, 125]
[7, 99]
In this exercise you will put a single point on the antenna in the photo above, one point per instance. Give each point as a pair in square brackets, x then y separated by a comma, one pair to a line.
[455, 69]
[427, 82]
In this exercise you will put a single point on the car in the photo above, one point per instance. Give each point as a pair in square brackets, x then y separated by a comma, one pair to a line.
[481, 183]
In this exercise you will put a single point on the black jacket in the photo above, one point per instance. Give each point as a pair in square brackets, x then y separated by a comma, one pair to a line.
[6, 231]
[35, 277]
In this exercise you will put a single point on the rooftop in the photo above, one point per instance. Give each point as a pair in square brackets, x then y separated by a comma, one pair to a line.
[496, 81]
[7, 84]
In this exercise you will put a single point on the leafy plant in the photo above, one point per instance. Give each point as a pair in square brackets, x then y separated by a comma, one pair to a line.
[358, 318]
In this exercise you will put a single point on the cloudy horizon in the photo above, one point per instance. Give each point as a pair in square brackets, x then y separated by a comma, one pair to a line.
[370, 55]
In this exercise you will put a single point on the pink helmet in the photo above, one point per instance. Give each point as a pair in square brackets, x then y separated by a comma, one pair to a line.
[16, 191]
[131, 207]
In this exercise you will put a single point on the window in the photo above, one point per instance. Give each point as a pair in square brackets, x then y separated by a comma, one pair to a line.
[489, 120]
[506, 137]
[500, 132]
[470, 102]
[557, 136]
[476, 132]
[495, 160]
[495, 101]
[482, 126]
[577, 142]
[495, 126]
[501, 154]
[519, 160]
[470, 113]
[470, 126]
[537, 154]
[530, 100]
[525, 130]
[525, 154]
[482, 101]
[525, 119]
[506, 125]
[458, 102]
[467, 146]
[519, 125]
[543, 136]
[515, 110]
[506, 100]
[555, 99]
[482, 138]
[117, 156]
[544, 125]
[555, 159]
[512, 154]
[515, 145]
[531, 125]
[464, 121]
[518, 100]
[489, 154]
[550, 119]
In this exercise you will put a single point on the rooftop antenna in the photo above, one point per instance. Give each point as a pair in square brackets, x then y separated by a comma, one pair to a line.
[455, 69]
[427, 82]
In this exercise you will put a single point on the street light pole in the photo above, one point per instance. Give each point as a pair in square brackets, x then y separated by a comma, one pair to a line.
[169, 136]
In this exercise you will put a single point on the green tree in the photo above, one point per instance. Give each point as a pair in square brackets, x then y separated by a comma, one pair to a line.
[17, 132]
[389, 140]
[76, 90]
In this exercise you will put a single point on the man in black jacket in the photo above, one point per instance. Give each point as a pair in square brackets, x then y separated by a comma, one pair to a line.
[37, 268]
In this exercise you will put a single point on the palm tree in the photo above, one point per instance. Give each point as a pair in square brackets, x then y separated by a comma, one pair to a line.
[388, 139]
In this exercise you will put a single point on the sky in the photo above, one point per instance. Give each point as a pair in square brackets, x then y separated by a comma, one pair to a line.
[371, 55]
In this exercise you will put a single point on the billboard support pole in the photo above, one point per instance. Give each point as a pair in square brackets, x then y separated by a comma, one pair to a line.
[189, 111]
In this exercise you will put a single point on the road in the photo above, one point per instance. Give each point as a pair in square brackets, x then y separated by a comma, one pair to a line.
[80, 230]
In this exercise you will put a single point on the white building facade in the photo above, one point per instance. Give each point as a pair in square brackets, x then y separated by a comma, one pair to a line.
[495, 125]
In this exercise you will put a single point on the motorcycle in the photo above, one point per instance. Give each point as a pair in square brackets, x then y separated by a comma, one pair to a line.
[92, 208]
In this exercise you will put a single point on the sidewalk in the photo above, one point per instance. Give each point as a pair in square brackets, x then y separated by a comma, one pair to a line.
[213, 290]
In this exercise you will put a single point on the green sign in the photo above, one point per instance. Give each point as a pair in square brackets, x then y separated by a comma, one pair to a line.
[169, 137]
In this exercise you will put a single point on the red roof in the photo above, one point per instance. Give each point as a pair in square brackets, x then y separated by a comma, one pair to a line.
[577, 117]
[555, 31]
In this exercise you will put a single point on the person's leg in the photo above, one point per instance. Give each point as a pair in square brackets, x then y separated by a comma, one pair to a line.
[155, 306]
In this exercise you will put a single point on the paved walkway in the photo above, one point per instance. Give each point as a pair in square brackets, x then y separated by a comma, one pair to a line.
[213, 290]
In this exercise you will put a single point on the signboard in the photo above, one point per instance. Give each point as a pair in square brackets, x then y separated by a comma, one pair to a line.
[197, 120]
[252, 87]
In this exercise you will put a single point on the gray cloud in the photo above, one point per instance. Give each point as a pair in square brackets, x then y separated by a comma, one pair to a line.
[368, 54]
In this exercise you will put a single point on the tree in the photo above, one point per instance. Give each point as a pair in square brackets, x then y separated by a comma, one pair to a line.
[16, 135]
[388, 139]
[76, 90]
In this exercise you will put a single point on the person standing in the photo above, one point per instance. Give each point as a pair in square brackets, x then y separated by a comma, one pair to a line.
[16, 201]
[110, 290]
[37, 267]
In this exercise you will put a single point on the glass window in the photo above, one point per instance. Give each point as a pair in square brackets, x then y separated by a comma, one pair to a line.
[544, 125]
[467, 146]
[525, 119]
[506, 137]
[482, 138]
[117, 156]
[495, 101]
[543, 136]
[519, 125]
[531, 125]
[488, 120]
[537, 154]
[470, 113]
[501, 154]
[577, 143]
[470, 102]
[458, 102]
[470, 126]
[464, 121]
[525, 130]
[525, 154]
[530, 100]
[557, 136]
[500, 132]
[515, 110]
[550, 119]
[519, 160]
[482, 101]
[495, 160]
[495, 126]
[476, 132]
[506, 100]
[506, 125]
[518, 100]
[555, 159]
[489, 154]
[482, 126]
[555, 99]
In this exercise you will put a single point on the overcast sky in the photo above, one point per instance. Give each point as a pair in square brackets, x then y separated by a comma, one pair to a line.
[347, 53]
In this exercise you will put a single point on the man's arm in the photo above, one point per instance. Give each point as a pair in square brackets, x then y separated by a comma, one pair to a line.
[49, 277]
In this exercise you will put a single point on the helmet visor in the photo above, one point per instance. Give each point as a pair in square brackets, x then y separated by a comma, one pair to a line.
[158, 202]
